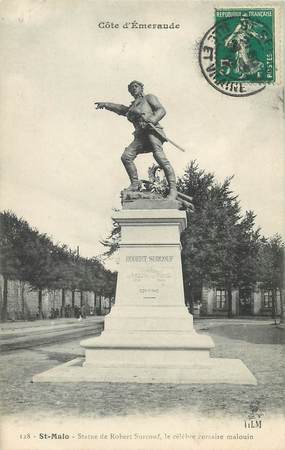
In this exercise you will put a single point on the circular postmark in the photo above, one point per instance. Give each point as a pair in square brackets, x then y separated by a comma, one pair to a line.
[207, 62]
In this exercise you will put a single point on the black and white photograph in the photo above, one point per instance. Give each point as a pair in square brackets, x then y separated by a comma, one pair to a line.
[142, 223]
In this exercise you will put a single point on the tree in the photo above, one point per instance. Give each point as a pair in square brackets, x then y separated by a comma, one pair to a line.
[199, 255]
[37, 263]
[73, 275]
[95, 279]
[30, 256]
[10, 266]
[110, 285]
[218, 245]
[26, 255]
[236, 245]
[112, 241]
[271, 270]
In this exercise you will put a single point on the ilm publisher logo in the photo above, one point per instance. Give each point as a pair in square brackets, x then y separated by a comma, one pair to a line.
[254, 417]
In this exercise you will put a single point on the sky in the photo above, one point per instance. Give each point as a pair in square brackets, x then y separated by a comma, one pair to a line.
[60, 158]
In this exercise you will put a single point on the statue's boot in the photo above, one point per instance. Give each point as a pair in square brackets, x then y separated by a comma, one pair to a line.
[169, 174]
[172, 194]
[134, 186]
[131, 171]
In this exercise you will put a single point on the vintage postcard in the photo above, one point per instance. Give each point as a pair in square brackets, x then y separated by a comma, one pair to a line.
[142, 225]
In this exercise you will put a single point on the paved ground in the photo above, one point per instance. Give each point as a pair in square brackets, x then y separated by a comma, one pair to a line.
[20, 335]
[259, 344]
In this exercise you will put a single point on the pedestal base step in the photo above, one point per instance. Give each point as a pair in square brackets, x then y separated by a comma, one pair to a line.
[214, 371]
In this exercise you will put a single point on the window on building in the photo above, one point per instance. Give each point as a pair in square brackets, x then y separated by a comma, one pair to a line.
[267, 299]
[221, 298]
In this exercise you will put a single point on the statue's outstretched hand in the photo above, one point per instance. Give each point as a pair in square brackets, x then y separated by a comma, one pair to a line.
[100, 105]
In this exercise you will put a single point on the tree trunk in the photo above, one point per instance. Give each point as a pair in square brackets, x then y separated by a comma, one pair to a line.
[190, 298]
[40, 304]
[5, 300]
[100, 305]
[282, 312]
[274, 306]
[230, 301]
[62, 302]
[95, 298]
[81, 298]
[72, 299]
[72, 303]
[22, 288]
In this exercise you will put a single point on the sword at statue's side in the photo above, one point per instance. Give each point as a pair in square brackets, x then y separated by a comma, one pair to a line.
[162, 135]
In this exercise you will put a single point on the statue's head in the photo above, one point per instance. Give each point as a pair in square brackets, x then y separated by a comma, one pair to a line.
[135, 88]
[244, 20]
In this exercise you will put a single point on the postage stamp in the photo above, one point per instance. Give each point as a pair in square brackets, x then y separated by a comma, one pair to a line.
[207, 62]
[245, 45]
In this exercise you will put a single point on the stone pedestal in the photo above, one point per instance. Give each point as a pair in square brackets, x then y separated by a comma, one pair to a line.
[149, 324]
[149, 334]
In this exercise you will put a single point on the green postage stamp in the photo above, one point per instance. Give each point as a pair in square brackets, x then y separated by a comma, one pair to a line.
[245, 47]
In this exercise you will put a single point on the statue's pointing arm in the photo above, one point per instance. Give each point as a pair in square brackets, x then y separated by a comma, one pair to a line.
[114, 107]
[157, 109]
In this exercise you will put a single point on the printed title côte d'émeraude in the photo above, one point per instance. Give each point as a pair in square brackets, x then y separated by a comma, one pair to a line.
[109, 25]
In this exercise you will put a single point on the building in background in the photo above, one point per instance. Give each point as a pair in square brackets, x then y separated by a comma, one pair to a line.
[23, 302]
[246, 302]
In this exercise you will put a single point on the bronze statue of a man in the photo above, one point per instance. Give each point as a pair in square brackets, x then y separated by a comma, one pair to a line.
[145, 112]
